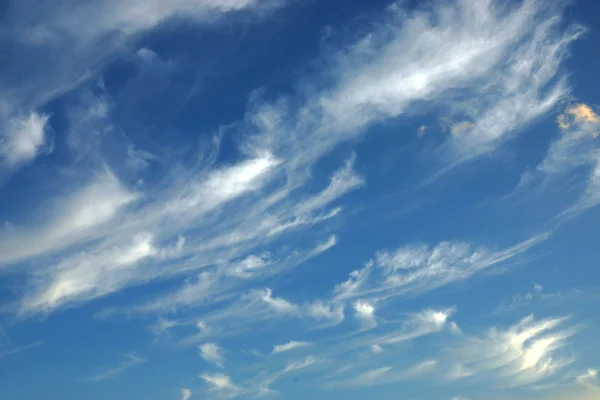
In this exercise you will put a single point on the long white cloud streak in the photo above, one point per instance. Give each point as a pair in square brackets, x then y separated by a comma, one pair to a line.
[523, 354]
[386, 375]
[20, 349]
[131, 362]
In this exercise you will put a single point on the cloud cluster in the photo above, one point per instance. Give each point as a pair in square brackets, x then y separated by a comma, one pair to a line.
[408, 59]
[220, 231]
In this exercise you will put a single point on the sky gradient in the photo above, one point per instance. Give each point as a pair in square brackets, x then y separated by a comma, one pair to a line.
[240, 199]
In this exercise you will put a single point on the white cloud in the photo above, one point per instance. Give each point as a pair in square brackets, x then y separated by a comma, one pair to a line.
[248, 266]
[186, 394]
[220, 382]
[260, 385]
[322, 247]
[387, 375]
[277, 304]
[572, 160]
[584, 386]
[415, 269]
[85, 35]
[221, 186]
[85, 276]
[471, 57]
[98, 205]
[130, 362]
[136, 15]
[376, 348]
[537, 288]
[298, 365]
[340, 183]
[281, 348]
[20, 349]
[332, 313]
[24, 138]
[76, 219]
[365, 312]
[212, 353]
[419, 324]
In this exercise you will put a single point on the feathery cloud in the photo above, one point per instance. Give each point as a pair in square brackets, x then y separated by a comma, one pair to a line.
[523, 354]
[415, 269]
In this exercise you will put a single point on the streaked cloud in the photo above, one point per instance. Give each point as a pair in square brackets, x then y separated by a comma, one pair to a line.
[20, 349]
[414, 269]
[220, 383]
[75, 219]
[281, 348]
[85, 276]
[131, 361]
[387, 375]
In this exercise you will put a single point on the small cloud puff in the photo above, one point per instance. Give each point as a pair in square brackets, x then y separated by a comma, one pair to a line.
[577, 114]
[23, 138]
[186, 394]
[212, 353]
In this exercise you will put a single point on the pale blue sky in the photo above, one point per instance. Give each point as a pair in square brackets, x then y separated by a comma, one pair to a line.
[219, 199]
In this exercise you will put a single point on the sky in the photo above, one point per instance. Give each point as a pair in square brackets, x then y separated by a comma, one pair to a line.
[291, 199]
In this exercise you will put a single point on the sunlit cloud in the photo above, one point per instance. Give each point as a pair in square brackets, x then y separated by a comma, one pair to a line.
[526, 353]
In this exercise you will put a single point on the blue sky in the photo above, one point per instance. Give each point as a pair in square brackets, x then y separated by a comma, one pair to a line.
[218, 199]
